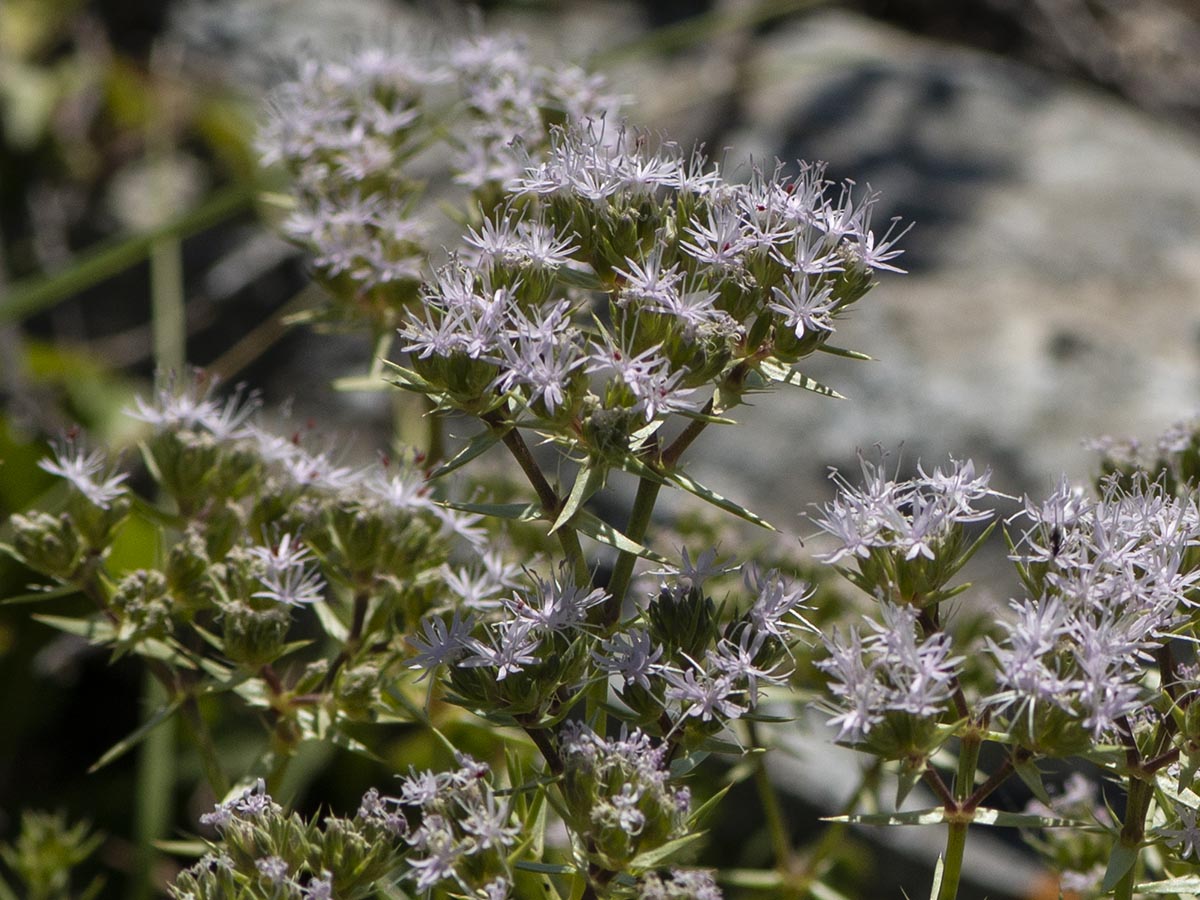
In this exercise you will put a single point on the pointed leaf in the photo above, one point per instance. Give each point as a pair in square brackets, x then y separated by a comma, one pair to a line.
[935, 816]
[985, 816]
[407, 379]
[909, 776]
[517, 512]
[541, 868]
[1189, 884]
[119, 749]
[334, 627]
[183, 848]
[477, 446]
[658, 855]
[588, 480]
[699, 817]
[65, 590]
[1032, 776]
[848, 354]
[95, 630]
[689, 484]
[603, 533]
[1120, 861]
[360, 384]
[585, 279]
[938, 872]
[783, 374]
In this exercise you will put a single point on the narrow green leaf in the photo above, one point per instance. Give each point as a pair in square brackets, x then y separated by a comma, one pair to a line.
[65, 590]
[938, 872]
[119, 749]
[600, 531]
[716, 745]
[699, 817]
[689, 484]
[183, 848]
[517, 512]
[783, 374]
[360, 384]
[542, 868]
[754, 879]
[985, 816]
[843, 352]
[1029, 773]
[909, 776]
[935, 816]
[659, 855]
[1120, 861]
[110, 258]
[588, 480]
[334, 627]
[1189, 884]
[407, 379]
[475, 447]
[95, 630]
[585, 279]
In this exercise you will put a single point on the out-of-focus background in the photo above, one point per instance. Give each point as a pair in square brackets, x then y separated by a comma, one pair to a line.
[1048, 152]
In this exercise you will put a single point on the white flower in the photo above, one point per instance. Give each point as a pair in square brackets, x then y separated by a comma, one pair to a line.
[286, 576]
[88, 473]
[1185, 838]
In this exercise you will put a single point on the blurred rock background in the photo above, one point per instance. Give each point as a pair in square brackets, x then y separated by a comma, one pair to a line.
[1048, 152]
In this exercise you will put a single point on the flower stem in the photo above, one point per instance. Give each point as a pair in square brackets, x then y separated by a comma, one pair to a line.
[639, 523]
[547, 496]
[1133, 831]
[781, 842]
[959, 815]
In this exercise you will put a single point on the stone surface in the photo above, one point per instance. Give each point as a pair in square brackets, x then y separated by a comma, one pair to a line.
[1054, 292]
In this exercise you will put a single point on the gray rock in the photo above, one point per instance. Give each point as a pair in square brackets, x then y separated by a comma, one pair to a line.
[1054, 286]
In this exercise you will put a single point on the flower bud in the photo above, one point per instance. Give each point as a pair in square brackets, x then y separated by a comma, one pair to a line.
[254, 637]
[47, 544]
[682, 622]
[143, 607]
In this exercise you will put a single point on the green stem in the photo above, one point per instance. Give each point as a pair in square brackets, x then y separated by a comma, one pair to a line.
[547, 496]
[32, 295]
[781, 841]
[835, 833]
[635, 530]
[155, 787]
[959, 817]
[353, 639]
[168, 318]
[214, 774]
[956, 843]
[1133, 832]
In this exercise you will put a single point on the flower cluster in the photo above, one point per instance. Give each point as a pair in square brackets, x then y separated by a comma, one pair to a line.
[1111, 581]
[625, 281]
[348, 133]
[263, 851]
[893, 685]
[619, 795]
[464, 832]
[907, 539]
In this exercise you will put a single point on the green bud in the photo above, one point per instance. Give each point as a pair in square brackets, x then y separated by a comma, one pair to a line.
[357, 692]
[185, 461]
[682, 622]
[48, 544]
[254, 637]
[95, 524]
[143, 606]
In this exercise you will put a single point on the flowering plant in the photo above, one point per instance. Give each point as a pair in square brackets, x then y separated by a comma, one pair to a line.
[612, 296]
